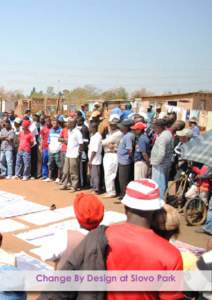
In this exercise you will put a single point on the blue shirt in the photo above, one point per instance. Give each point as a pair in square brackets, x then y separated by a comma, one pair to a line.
[142, 145]
[54, 134]
[116, 111]
[126, 113]
[195, 131]
[125, 145]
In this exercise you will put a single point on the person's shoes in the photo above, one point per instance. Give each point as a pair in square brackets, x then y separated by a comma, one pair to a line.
[120, 197]
[32, 178]
[15, 177]
[57, 180]
[63, 188]
[25, 178]
[47, 179]
[9, 177]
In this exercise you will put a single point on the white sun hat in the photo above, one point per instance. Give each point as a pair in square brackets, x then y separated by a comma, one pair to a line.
[143, 194]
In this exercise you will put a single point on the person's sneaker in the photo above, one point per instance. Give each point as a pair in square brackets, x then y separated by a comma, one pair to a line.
[57, 180]
[15, 177]
[25, 178]
[32, 178]
[63, 188]
[9, 177]
[47, 179]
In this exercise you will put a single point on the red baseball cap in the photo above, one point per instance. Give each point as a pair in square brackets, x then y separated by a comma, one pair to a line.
[26, 123]
[138, 125]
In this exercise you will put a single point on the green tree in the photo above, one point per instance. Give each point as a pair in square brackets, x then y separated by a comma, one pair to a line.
[118, 93]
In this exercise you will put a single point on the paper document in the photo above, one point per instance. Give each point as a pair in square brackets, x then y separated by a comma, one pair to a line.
[112, 217]
[41, 236]
[49, 216]
[20, 207]
[11, 225]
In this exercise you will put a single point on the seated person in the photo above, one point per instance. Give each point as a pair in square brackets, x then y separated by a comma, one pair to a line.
[89, 212]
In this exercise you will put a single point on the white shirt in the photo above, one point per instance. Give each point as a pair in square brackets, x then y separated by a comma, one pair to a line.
[95, 145]
[75, 139]
[34, 131]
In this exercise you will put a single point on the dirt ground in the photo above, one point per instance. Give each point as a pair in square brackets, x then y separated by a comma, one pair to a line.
[49, 193]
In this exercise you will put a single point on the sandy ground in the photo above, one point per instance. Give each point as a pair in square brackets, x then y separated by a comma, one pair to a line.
[49, 193]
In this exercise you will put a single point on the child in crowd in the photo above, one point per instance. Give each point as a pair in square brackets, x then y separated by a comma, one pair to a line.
[23, 161]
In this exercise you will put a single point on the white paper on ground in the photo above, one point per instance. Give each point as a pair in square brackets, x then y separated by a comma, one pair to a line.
[11, 225]
[20, 207]
[10, 195]
[66, 212]
[41, 251]
[49, 216]
[27, 262]
[40, 236]
[112, 217]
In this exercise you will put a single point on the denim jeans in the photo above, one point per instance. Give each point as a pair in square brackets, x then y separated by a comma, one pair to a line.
[6, 162]
[45, 158]
[160, 175]
[23, 160]
[208, 224]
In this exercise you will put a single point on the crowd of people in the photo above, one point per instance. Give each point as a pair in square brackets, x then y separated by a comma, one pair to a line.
[78, 152]
[130, 156]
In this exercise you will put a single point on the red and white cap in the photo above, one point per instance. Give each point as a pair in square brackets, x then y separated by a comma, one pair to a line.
[143, 194]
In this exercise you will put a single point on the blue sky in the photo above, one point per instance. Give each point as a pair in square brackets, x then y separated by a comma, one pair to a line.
[161, 45]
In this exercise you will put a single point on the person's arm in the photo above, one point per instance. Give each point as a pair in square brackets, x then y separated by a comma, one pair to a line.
[176, 264]
[143, 149]
[129, 145]
[80, 141]
[10, 137]
[95, 147]
[161, 143]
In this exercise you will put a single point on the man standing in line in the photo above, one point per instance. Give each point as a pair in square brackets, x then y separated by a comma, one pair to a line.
[110, 160]
[125, 156]
[7, 138]
[74, 150]
[194, 127]
[54, 150]
[142, 150]
[84, 157]
[44, 134]
[161, 155]
[95, 157]
[23, 161]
